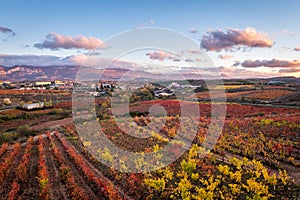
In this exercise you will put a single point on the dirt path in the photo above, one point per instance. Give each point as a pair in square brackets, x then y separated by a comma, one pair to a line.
[46, 125]
[31, 187]
[79, 177]
[99, 173]
[57, 189]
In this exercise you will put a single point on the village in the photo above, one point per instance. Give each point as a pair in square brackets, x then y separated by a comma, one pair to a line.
[14, 93]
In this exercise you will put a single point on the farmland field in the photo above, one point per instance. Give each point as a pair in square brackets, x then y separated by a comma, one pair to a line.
[257, 156]
[254, 94]
[149, 100]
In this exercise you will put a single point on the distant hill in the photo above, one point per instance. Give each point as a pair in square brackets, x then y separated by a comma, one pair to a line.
[288, 79]
[34, 73]
[21, 73]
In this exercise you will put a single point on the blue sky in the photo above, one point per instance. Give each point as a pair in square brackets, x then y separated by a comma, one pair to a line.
[33, 20]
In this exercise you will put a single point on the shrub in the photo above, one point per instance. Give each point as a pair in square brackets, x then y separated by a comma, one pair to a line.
[24, 130]
[243, 98]
[7, 101]
[7, 137]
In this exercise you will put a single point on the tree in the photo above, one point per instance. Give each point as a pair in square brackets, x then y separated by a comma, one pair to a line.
[24, 130]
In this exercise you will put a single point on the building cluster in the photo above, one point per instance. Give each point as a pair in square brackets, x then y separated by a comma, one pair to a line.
[277, 83]
[98, 89]
[37, 85]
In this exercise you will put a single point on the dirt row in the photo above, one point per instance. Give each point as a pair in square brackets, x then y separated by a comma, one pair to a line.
[58, 188]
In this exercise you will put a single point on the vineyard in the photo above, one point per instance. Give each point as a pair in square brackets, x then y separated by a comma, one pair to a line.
[48, 167]
[256, 94]
[257, 156]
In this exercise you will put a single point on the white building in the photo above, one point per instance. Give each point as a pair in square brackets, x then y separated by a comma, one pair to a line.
[174, 85]
[30, 106]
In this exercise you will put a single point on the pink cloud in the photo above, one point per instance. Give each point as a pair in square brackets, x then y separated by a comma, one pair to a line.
[150, 23]
[224, 57]
[161, 55]
[217, 40]
[286, 32]
[297, 49]
[55, 41]
[290, 70]
[97, 62]
[274, 63]
[195, 51]
[228, 72]
[233, 72]
[77, 59]
[32, 60]
[193, 30]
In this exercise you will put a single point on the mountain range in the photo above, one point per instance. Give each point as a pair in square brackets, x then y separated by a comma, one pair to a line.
[69, 72]
[34, 73]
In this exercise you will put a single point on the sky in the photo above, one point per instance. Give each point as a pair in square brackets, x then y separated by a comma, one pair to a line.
[258, 38]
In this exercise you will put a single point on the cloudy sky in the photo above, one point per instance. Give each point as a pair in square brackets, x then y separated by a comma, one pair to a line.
[258, 38]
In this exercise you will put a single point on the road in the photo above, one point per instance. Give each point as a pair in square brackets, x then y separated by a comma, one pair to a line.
[61, 122]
